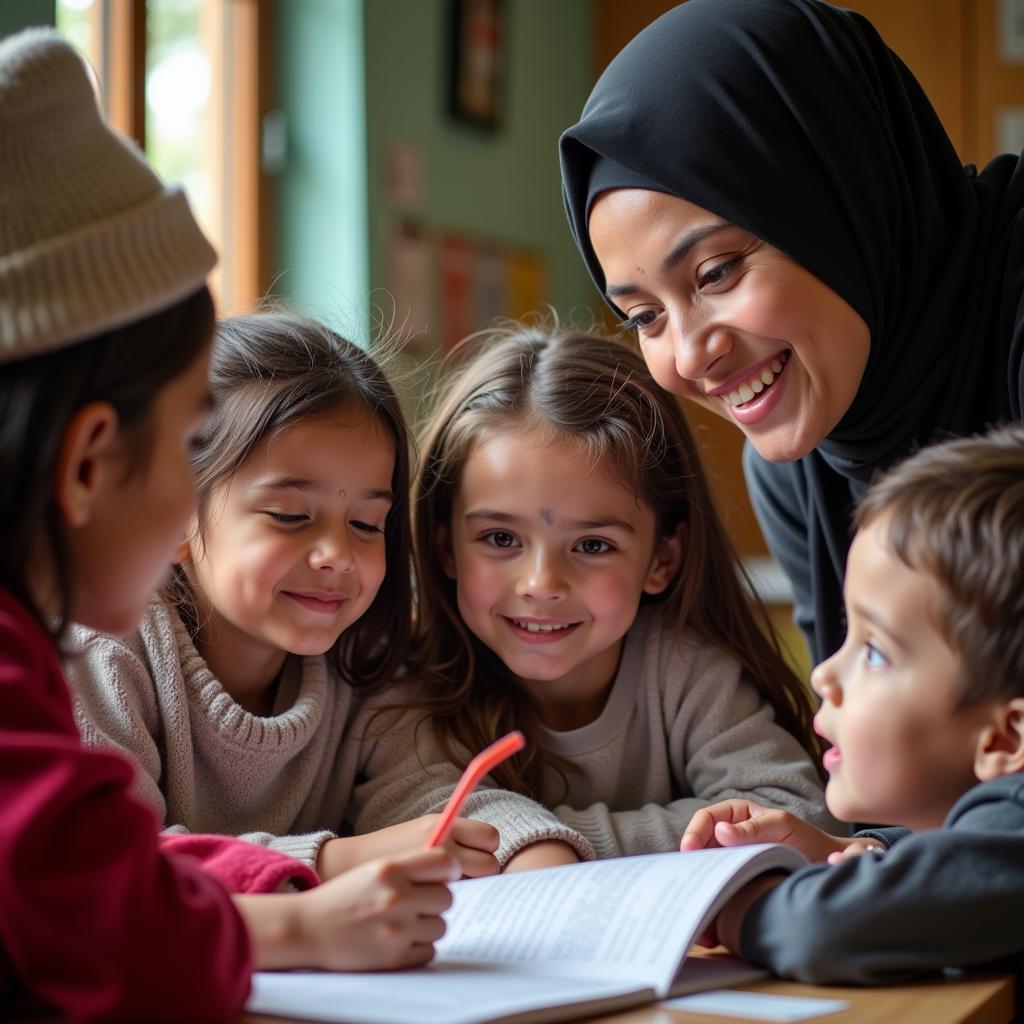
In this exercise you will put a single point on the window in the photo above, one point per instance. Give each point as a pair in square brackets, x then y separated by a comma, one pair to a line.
[186, 80]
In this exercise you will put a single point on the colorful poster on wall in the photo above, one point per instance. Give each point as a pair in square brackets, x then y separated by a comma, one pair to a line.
[456, 265]
[409, 282]
[490, 284]
[526, 285]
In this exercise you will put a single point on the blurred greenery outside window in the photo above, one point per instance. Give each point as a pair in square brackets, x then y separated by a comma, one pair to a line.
[194, 114]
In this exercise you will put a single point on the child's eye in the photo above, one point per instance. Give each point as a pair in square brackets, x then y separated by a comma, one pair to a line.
[873, 657]
[500, 539]
[718, 273]
[366, 527]
[641, 320]
[593, 546]
[286, 517]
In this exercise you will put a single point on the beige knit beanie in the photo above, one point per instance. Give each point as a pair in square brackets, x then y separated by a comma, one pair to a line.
[90, 239]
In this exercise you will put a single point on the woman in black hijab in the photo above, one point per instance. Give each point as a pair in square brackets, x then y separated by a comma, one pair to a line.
[763, 191]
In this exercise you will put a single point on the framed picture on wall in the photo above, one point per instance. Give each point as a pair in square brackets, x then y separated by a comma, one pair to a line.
[477, 65]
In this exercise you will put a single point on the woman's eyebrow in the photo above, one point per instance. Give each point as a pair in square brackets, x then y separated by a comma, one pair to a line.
[677, 254]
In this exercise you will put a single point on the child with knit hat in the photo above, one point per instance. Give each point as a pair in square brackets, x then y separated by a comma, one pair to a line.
[105, 327]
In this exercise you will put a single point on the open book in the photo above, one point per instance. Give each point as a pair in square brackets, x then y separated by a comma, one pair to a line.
[545, 945]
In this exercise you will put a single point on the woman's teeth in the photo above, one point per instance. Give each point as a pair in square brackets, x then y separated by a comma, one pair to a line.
[748, 389]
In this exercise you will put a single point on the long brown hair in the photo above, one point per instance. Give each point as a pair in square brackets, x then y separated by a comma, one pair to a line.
[267, 372]
[600, 394]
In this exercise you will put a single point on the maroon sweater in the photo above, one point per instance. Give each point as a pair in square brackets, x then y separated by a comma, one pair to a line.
[98, 918]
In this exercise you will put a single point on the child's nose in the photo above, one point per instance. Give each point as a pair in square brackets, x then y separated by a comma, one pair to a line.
[332, 552]
[543, 579]
[825, 681]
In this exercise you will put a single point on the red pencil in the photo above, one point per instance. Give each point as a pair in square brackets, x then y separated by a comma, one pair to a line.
[487, 760]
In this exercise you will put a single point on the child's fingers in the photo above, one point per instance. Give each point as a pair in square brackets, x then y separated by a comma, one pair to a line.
[699, 833]
[433, 865]
[416, 955]
[427, 929]
[476, 863]
[855, 849]
[477, 834]
[431, 899]
[767, 828]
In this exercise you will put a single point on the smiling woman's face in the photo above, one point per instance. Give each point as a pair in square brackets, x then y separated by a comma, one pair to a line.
[729, 322]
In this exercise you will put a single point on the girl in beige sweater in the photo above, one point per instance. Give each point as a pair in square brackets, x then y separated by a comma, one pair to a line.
[577, 584]
[240, 696]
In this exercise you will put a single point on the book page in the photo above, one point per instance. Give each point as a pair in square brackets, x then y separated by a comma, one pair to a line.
[632, 917]
[440, 994]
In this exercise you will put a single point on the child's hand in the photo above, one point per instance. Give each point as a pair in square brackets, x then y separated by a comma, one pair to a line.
[472, 842]
[382, 915]
[854, 848]
[742, 822]
[544, 854]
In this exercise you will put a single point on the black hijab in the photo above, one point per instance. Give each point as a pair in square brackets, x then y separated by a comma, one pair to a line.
[793, 120]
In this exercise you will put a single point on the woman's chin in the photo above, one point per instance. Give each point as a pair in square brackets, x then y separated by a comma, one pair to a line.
[781, 445]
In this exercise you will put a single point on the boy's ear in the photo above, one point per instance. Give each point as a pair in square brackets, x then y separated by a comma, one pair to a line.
[86, 461]
[444, 551]
[1000, 748]
[668, 557]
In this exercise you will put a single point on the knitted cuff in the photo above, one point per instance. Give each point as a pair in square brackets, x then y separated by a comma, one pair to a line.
[521, 822]
[305, 848]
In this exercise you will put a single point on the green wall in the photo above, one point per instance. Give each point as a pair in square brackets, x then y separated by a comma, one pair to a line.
[321, 221]
[502, 186]
[357, 76]
[18, 14]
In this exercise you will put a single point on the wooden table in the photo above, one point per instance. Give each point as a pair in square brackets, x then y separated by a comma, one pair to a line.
[985, 999]
[981, 1000]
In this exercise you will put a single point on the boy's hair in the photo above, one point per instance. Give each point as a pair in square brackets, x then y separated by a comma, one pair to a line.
[597, 393]
[269, 371]
[126, 367]
[955, 510]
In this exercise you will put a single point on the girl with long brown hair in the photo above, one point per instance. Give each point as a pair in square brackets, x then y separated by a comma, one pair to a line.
[576, 583]
[290, 600]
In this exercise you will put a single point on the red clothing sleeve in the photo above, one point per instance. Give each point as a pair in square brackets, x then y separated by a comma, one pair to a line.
[242, 866]
[97, 922]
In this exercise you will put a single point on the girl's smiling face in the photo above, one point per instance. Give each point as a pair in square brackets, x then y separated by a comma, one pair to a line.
[551, 556]
[292, 548]
[729, 322]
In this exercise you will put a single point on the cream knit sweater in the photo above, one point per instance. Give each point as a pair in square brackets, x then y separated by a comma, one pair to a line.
[207, 765]
[681, 729]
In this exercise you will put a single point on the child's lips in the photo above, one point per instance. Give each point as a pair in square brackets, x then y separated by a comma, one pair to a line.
[831, 759]
[317, 600]
[540, 631]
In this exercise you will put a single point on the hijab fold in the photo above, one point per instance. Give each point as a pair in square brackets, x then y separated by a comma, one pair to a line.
[793, 120]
